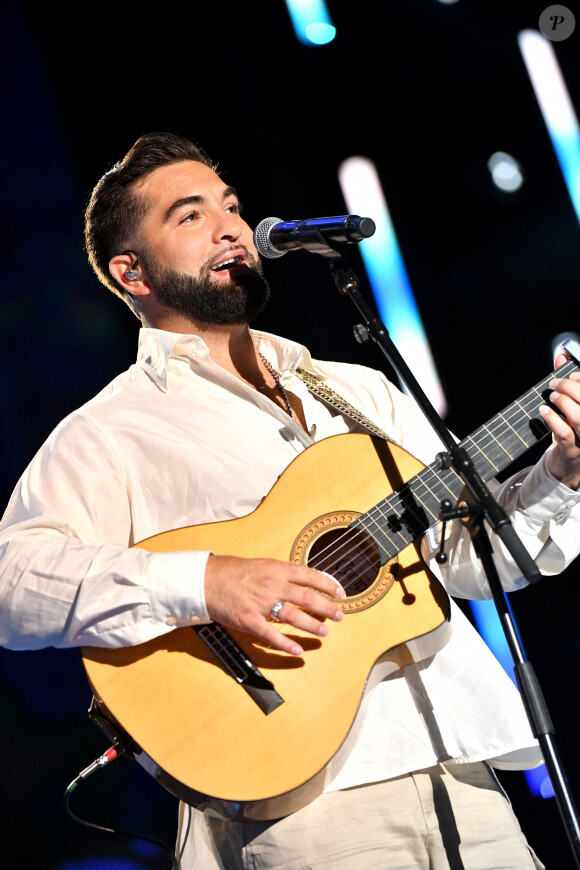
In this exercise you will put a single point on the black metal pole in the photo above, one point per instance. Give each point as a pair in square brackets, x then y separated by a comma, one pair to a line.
[531, 692]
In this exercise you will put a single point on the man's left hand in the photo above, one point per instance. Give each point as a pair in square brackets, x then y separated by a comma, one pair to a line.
[564, 461]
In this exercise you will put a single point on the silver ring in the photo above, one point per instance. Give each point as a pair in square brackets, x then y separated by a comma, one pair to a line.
[276, 610]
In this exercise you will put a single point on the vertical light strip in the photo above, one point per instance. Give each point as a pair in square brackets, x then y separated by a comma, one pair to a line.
[311, 21]
[556, 107]
[394, 298]
[489, 627]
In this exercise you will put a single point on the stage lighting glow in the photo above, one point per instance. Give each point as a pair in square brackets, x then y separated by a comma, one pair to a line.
[546, 787]
[539, 782]
[505, 171]
[556, 107]
[311, 21]
[382, 258]
[556, 343]
[490, 628]
[320, 34]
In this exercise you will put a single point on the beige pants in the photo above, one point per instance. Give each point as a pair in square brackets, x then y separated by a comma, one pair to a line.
[452, 817]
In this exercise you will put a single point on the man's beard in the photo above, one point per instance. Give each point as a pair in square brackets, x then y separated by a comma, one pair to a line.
[207, 300]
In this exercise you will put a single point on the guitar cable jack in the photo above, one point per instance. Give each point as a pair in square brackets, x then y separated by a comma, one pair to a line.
[110, 755]
[99, 763]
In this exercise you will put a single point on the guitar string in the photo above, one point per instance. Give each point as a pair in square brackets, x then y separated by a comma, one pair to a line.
[497, 421]
[345, 550]
[532, 394]
[423, 478]
[530, 398]
[487, 430]
[520, 403]
[387, 510]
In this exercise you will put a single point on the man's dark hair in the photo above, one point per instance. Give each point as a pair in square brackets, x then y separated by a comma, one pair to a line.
[115, 209]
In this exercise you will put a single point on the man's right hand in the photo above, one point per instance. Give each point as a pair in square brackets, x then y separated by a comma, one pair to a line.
[240, 593]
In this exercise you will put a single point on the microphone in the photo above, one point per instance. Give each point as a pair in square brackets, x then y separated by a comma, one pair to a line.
[274, 237]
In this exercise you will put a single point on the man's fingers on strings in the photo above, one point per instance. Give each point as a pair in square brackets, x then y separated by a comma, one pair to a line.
[301, 575]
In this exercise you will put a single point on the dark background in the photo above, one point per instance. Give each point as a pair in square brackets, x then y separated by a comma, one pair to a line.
[428, 92]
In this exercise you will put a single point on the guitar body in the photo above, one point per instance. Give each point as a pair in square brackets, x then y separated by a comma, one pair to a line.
[195, 726]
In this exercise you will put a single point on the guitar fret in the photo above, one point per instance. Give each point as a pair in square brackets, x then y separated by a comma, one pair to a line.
[404, 515]
[432, 489]
[512, 429]
[411, 509]
[373, 527]
[482, 461]
[483, 457]
[435, 498]
[498, 443]
[513, 432]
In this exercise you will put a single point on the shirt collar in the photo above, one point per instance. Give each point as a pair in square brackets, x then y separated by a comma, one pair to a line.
[158, 346]
[285, 355]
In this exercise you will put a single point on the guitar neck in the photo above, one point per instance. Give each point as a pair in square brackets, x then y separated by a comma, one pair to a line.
[415, 505]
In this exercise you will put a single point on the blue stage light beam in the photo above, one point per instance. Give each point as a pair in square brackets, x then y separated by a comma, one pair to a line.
[490, 628]
[311, 21]
[556, 107]
[363, 194]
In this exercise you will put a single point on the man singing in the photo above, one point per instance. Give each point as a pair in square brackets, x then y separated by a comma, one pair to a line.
[198, 431]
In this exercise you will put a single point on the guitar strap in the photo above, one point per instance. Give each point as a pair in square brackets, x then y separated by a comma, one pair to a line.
[332, 398]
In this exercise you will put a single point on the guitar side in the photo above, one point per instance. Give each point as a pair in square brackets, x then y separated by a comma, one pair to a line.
[195, 722]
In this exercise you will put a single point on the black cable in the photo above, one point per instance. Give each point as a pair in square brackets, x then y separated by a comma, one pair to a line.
[110, 755]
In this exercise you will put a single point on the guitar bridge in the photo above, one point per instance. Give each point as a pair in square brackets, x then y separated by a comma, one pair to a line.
[239, 666]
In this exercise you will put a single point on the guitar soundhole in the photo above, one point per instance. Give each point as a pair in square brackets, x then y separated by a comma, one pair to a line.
[350, 556]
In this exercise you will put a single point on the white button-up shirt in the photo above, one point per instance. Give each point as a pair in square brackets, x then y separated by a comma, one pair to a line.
[177, 441]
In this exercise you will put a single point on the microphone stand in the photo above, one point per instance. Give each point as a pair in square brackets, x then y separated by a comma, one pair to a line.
[484, 507]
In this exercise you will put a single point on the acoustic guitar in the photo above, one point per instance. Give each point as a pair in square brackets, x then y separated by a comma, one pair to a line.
[228, 723]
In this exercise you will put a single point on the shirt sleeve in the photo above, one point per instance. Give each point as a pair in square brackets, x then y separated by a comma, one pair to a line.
[544, 513]
[68, 573]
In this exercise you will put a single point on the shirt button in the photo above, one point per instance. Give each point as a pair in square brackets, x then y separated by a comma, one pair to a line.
[171, 620]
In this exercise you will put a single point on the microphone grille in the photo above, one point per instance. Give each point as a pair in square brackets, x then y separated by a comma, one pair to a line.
[262, 238]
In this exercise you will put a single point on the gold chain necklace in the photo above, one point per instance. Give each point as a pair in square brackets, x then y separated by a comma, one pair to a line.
[328, 395]
[276, 377]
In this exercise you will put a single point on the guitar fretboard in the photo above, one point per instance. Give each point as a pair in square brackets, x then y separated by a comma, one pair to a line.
[414, 506]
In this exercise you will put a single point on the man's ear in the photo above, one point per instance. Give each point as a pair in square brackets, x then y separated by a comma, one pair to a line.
[127, 272]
